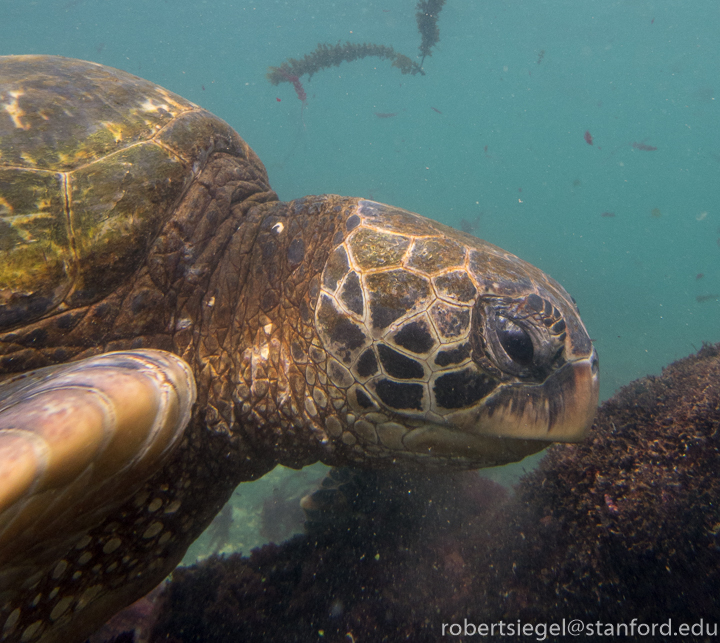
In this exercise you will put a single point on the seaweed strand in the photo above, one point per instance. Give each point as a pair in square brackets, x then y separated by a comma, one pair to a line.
[427, 16]
[326, 56]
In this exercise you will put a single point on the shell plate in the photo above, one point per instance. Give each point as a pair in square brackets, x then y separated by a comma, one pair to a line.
[92, 165]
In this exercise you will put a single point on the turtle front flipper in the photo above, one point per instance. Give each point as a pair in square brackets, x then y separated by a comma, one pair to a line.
[76, 441]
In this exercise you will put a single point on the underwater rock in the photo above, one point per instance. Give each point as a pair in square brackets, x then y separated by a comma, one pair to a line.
[625, 525]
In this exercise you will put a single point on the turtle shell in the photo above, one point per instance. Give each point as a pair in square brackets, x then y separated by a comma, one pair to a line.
[88, 177]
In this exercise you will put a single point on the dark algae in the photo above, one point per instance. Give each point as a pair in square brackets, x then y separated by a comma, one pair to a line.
[427, 17]
[624, 525]
[327, 55]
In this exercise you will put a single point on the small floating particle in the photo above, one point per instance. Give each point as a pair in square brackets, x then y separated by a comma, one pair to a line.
[588, 137]
[701, 216]
[435, 109]
[702, 298]
[385, 114]
[278, 100]
[699, 275]
[607, 214]
[656, 213]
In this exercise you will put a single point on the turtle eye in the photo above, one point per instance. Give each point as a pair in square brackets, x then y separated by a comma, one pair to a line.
[515, 341]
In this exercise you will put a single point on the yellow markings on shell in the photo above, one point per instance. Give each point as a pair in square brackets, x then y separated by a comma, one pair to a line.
[6, 206]
[15, 111]
[151, 106]
[115, 130]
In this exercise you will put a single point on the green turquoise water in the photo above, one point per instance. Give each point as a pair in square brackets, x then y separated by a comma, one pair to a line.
[493, 135]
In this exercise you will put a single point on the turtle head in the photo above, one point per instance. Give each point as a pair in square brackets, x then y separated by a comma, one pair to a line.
[448, 348]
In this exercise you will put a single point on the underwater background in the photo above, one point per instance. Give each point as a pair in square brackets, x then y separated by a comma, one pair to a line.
[582, 137]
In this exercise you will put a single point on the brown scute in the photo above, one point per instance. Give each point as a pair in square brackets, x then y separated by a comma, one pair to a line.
[435, 254]
[398, 365]
[367, 364]
[457, 286]
[623, 526]
[58, 136]
[344, 335]
[351, 294]
[362, 399]
[373, 249]
[501, 274]
[453, 355]
[400, 395]
[336, 268]
[393, 294]
[451, 321]
[457, 390]
[415, 336]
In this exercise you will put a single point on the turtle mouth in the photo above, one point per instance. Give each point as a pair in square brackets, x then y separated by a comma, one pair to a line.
[560, 409]
[517, 420]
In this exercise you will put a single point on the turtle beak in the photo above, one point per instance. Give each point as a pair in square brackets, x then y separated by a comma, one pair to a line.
[561, 409]
[518, 420]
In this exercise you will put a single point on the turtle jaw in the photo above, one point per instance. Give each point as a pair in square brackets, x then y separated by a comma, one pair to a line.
[517, 420]
[560, 409]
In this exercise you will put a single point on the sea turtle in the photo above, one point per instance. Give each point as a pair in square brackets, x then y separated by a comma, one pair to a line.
[143, 254]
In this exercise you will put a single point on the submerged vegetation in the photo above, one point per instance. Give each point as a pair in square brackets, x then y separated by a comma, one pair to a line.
[427, 16]
[326, 55]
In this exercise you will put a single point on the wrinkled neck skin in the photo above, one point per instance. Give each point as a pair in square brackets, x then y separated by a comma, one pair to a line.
[228, 286]
[260, 364]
